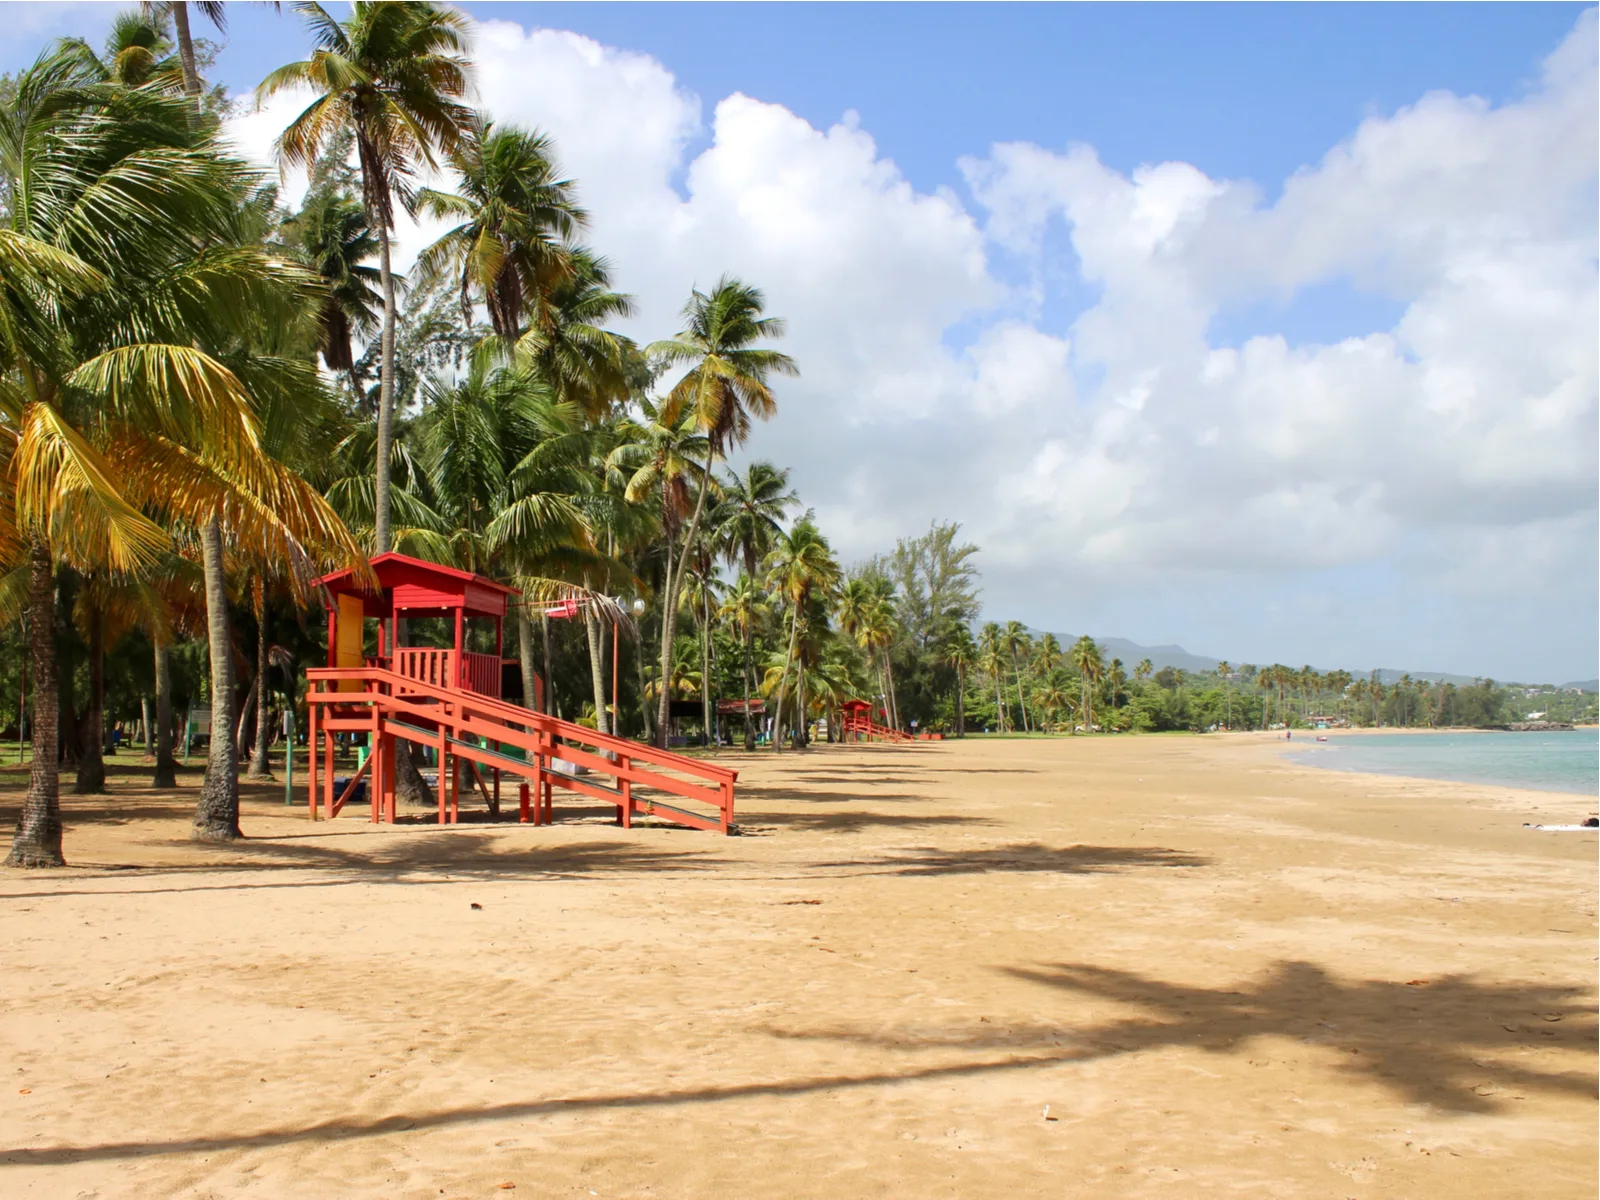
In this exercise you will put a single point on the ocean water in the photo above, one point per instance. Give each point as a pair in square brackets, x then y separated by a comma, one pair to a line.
[1563, 761]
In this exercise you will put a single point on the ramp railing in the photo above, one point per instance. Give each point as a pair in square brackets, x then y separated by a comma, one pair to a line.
[484, 733]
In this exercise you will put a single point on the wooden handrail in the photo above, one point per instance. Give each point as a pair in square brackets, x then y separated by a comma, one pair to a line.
[506, 711]
[462, 712]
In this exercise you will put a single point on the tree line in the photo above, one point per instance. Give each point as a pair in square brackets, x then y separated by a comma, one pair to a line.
[208, 398]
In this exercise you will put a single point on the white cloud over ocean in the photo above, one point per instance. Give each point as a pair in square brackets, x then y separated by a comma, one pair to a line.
[1423, 492]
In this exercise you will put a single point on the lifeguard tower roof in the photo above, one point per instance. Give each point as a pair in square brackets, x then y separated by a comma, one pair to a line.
[414, 587]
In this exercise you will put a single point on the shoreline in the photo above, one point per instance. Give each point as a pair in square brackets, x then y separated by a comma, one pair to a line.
[1507, 797]
[1300, 755]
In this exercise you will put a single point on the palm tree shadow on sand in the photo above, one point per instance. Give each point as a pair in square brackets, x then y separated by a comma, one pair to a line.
[1418, 1040]
[1445, 1042]
[1018, 857]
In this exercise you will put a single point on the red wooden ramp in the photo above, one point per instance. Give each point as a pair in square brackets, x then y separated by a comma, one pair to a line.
[479, 739]
[859, 726]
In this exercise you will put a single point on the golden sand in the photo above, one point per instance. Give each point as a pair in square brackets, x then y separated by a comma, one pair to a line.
[1138, 966]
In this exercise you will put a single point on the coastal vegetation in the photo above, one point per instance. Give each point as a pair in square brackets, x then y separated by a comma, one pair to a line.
[209, 396]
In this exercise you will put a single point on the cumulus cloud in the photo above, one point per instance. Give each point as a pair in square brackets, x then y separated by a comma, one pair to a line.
[1130, 447]
[1475, 413]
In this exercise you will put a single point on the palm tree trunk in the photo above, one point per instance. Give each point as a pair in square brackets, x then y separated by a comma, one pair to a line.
[380, 530]
[663, 697]
[530, 688]
[597, 673]
[91, 779]
[803, 734]
[243, 732]
[180, 21]
[37, 842]
[260, 766]
[1001, 717]
[783, 680]
[1021, 703]
[216, 813]
[894, 701]
[166, 774]
[549, 677]
[749, 686]
[961, 703]
[669, 614]
[705, 669]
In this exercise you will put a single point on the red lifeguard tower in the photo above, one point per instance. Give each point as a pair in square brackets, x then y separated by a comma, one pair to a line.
[449, 701]
[855, 720]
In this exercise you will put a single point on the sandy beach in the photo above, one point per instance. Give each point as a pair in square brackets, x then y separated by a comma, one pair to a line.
[1136, 966]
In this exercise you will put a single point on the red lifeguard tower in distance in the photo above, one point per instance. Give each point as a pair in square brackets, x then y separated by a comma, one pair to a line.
[855, 717]
[449, 701]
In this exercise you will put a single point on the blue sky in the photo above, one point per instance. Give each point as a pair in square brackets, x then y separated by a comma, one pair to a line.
[1240, 90]
[1259, 328]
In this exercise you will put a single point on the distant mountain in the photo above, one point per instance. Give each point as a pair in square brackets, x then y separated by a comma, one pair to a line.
[1160, 656]
[1131, 652]
[1390, 675]
[1176, 656]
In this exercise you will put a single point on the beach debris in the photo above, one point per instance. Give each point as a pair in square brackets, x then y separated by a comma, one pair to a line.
[24, 1091]
[476, 906]
[1047, 1115]
[1589, 824]
[1416, 983]
[802, 902]
[506, 1187]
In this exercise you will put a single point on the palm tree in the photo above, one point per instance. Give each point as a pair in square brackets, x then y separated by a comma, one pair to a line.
[754, 506]
[743, 607]
[991, 649]
[1117, 677]
[961, 652]
[800, 567]
[137, 54]
[704, 596]
[1016, 641]
[879, 629]
[568, 346]
[1047, 655]
[124, 269]
[392, 73]
[332, 237]
[750, 515]
[1087, 661]
[1143, 670]
[212, 10]
[1223, 671]
[1053, 696]
[516, 218]
[724, 387]
[856, 604]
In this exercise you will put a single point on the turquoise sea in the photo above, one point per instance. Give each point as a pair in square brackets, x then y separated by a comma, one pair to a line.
[1564, 761]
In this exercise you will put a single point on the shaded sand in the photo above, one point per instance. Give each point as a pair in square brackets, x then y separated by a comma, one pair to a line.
[1223, 973]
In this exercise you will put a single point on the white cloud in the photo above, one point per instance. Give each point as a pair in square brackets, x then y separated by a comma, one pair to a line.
[1131, 446]
[1477, 409]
